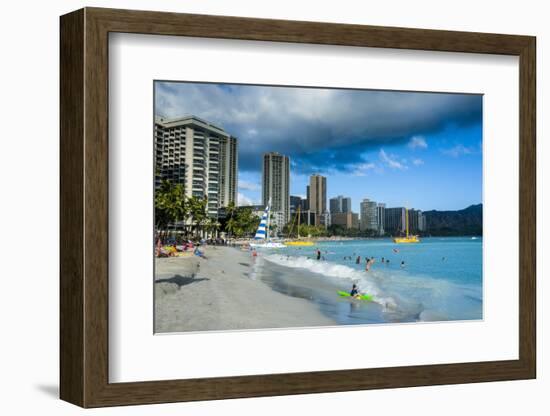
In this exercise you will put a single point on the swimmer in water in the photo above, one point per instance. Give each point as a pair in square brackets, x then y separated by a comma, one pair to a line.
[403, 264]
[367, 265]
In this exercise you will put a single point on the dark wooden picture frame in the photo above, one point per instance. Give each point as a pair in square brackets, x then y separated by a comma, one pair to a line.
[84, 207]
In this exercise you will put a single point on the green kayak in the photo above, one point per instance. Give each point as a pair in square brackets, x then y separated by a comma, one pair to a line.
[364, 296]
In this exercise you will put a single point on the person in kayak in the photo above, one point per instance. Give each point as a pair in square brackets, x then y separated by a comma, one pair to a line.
[354, 291]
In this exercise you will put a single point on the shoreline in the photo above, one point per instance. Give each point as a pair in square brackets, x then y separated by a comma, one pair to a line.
[222, 292]
[232, 290]
[245, 241]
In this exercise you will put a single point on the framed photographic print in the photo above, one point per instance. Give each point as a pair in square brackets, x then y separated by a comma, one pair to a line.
[255, 207]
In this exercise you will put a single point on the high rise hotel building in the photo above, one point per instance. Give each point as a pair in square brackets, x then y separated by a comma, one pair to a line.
[317, 199]
[276, 187]
[199, 155]
[369, 215]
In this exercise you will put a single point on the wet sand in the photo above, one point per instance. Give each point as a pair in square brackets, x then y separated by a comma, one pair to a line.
[222, 293]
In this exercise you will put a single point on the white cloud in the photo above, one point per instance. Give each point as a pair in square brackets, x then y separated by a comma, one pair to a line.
[390, 161]
[418, 162]
[249, 186]
[418, 142]
[243, 200]
[361, 169]
[458, 150]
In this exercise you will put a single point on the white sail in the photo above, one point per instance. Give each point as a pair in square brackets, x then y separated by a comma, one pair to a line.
[261, 232]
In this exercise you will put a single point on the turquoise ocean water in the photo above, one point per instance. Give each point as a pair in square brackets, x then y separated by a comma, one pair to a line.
[441, 279]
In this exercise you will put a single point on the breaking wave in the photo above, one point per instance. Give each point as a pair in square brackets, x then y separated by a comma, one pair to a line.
[336, 272]
[403, 296]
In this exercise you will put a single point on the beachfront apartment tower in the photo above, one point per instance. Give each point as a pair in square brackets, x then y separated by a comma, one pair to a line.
[340, 205]
[417, 221]
[394, 221]
[348, 220]
[200, 156]
[369, 215]
[318, 198]
[297, 202]
[276, 187]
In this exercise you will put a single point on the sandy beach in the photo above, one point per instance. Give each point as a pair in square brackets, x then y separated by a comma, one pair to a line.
[222, 293]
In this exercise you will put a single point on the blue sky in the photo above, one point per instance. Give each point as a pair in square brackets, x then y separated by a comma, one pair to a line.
[417, 149]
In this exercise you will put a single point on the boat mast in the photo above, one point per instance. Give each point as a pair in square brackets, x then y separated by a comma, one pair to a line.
[268, 221]
[298, 221]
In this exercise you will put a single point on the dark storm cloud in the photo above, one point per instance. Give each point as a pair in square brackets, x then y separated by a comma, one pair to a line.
[320, 129]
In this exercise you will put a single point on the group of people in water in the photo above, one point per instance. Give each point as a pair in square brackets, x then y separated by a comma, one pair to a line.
[369, 261]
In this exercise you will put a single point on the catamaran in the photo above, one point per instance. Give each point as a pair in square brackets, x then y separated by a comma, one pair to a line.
[408, 238]
[262, 234]
[299, 241]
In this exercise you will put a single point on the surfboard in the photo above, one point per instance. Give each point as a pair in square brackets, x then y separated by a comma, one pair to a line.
[364, 296]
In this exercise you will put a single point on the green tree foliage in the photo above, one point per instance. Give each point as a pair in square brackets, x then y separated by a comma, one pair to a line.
[242, 221]
[170, 204]
[198, 214]
[292, 231]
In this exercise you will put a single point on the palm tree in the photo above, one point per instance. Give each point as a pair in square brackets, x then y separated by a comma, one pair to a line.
[231, 224]
[197, 209]
[212, 226]
[170, 205]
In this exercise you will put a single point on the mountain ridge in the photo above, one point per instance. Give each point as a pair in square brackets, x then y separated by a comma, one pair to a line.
[466, 221]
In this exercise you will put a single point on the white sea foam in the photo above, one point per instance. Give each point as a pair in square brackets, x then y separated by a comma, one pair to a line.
[336, 271]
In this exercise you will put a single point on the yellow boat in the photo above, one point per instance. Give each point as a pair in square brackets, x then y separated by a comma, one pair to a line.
[298, 242]
[408, 238]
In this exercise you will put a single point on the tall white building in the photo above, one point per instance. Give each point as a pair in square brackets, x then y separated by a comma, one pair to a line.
[369, 215]
[276, 187]
[340, 204]
[199, 155]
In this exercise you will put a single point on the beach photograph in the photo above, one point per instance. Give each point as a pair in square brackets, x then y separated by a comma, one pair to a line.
[294, 207]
